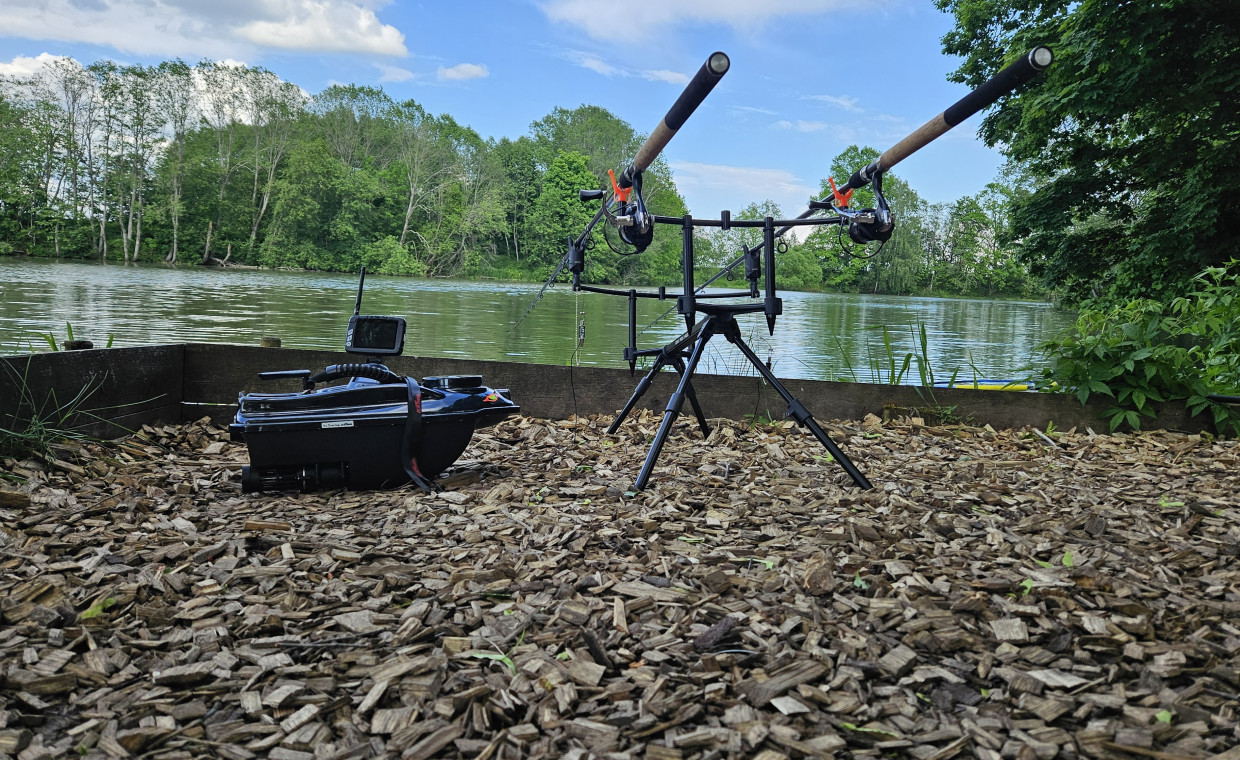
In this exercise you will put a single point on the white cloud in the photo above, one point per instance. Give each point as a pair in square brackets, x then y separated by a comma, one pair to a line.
[663, 75]
[24, 66]
[332, 26]
[842, 101]
[747, 110]
[743, 15]
[800, 125]
[709, 188]
[463, 71]
[389, 73]
[591, 62]
[599, 66]
[216, 29]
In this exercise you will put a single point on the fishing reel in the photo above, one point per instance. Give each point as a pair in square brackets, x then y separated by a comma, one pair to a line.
[871, 226]
[630, 218]
[867, 225]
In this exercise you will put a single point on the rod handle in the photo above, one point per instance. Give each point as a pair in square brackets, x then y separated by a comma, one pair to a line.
[1009, 78]
[695, 92]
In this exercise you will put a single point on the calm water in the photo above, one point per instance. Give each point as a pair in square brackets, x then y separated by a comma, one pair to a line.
[819, 335]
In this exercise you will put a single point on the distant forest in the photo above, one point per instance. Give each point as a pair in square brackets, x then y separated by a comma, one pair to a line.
[212, 163]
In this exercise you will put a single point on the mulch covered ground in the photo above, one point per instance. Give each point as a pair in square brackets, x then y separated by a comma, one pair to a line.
[998, 595]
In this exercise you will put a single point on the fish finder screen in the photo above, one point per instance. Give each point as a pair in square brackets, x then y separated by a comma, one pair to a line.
[376, 335]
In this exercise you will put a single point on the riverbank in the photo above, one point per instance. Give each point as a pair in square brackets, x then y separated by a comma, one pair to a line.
[996, 596]
[122, 389]
[530, 277]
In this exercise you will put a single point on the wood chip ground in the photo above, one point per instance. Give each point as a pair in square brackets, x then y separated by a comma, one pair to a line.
[997, 595]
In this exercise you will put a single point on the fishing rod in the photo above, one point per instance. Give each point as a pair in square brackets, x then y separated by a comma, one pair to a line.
[876, 225]
[625, 207]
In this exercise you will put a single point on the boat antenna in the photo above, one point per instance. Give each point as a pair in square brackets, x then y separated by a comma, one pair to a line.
[357, 306]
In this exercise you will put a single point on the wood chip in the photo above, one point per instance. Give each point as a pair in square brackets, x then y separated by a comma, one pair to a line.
[994, 596]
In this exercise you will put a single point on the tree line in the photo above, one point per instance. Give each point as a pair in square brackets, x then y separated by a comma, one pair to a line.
[218, 163]
[1129, 138]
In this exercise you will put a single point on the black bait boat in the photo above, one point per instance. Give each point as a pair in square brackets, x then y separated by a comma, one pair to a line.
[377, 430]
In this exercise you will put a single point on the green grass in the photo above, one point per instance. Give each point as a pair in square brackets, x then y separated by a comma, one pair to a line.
[36, 428]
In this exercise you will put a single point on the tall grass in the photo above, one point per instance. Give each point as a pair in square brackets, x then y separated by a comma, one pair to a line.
[887, 367]
[36, 428]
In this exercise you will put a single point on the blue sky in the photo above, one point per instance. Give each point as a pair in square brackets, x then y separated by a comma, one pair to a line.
[804, 82]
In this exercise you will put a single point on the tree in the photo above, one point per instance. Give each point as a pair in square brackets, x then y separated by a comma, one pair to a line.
[1129, 138]
[606, 141]
[517, 159]
[557, 212]
[18, 157]
[222, 91]
[139, 122]
[178, 100]
[610, 143]
[72, 89]
[272, 107]
[351, 119]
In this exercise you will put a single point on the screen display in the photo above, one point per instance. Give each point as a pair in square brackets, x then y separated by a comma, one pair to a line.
[375, 335]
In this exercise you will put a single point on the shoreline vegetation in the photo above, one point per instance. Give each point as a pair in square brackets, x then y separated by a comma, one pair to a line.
[532, 279]
[211, 162]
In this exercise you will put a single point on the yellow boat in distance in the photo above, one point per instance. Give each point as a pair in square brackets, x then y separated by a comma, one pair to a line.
[989, 385]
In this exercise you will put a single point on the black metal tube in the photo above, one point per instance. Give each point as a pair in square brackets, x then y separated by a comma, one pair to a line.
[798, 412]
[632, 352]
[685, 302]
[773, 306]
[694, 93]
[785, 225]
[669, 416]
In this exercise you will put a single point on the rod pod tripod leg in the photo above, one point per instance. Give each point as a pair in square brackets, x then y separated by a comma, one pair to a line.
[672, 354]
[676, 401]
[720, 323]
[796, 410]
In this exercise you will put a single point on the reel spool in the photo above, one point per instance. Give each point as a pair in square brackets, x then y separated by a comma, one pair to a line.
[633, 234]
[871, 232]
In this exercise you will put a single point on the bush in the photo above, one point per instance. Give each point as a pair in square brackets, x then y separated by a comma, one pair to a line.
[1147, 351]
[798, 269]
[388, 256]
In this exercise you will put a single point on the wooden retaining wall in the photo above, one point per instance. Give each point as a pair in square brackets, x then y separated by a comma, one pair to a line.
[130, 387]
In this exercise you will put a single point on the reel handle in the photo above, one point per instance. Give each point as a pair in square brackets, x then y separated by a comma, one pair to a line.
[695, 92]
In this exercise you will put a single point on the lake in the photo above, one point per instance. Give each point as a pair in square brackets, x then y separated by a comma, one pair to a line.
[820, 336]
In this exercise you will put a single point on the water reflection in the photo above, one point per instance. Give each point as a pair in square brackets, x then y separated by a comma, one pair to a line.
[821, 336]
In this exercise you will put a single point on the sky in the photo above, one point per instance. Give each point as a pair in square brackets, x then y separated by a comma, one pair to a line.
[808, 77]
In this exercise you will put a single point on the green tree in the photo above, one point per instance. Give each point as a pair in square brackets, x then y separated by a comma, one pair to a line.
[272, 108]
[518, 161]
[178, 98]
[557, 211]
[1129, 139]
[606, 141]
[18, 179]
